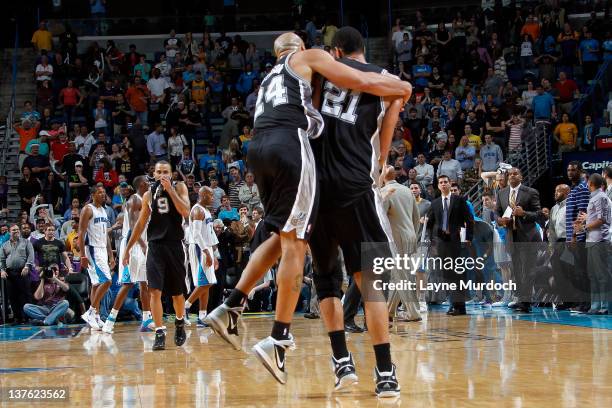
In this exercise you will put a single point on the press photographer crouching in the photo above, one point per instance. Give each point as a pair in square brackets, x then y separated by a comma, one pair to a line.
[50, 295]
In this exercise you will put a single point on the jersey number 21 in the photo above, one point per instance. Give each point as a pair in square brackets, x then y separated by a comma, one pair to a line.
[340, 103]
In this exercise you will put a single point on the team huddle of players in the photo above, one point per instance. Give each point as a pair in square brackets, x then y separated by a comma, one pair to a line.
[353, 106]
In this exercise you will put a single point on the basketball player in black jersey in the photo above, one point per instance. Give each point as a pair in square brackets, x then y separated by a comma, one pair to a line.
[355, 143]
[284, 168]
[164, 208]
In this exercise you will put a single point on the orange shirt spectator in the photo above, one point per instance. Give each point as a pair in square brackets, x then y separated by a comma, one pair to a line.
[137, 96]
[531, 27]
[26, 132]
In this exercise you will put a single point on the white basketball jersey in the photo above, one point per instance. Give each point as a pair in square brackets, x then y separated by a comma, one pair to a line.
[96, 235]
[125, 230]
[208, 232]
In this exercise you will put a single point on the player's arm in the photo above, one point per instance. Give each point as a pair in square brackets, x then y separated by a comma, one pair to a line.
[178, 195]
[86, 215]
[133, 211]
[143, 218]
[344, 76]
[393, 106]
[317, 90]
[109, 250]
[198, 236]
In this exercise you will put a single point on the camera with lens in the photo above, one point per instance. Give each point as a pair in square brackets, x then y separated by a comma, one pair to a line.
[50, 271]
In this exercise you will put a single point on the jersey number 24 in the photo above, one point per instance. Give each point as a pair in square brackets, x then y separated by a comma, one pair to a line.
[340, 103]
[274, 91]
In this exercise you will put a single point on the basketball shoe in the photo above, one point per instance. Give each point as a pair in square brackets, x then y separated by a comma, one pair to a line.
[224, 321]
[271, 353]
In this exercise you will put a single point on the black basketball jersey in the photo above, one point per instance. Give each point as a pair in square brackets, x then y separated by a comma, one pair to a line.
[166, 223]
[285, 100]
[347, 153]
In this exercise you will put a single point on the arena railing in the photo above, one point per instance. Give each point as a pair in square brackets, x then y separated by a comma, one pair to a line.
[533, 159]
[10, 116]
[594, 101]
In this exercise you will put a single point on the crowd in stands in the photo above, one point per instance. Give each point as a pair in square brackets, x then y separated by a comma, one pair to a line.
[107, 115]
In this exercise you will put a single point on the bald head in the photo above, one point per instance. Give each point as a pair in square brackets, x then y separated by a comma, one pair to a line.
[389, 173]
[287, 42]
[206, 189]
[561, 192]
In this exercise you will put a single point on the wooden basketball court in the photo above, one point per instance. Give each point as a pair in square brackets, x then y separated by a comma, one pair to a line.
[488, 358]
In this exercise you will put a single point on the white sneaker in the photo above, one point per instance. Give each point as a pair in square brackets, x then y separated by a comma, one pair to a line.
[423, 306]
[90, 319]
[108, 325]
[99, 322]
[271, 353]
[500, 303]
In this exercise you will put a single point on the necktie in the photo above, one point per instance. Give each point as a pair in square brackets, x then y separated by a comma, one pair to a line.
[512, 205]
[445, 214]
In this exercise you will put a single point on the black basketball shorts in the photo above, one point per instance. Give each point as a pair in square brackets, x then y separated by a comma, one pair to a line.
[166, 267]
[364, 221]
[285, 173]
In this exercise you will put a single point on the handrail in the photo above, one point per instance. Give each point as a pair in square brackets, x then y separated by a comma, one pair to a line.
[10, 117]
[594, 83]
[533, 160]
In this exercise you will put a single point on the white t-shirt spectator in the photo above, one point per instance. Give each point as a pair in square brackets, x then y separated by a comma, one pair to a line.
[47, 70]
[398, 37]
[157, 86]
[526, 49]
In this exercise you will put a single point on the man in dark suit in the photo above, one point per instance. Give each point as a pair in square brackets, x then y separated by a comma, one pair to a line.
[524, 203]
[449, 213]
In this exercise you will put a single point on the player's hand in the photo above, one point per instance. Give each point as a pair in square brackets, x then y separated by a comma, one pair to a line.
[251, 294]
[112, 262]
[166, 183]
[25, 271]
[84, 263]
[3, 274]
[126, 259]
[216, 262]
[208, 261]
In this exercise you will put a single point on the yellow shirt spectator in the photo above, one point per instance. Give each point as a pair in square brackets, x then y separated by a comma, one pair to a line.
[475, 141]
[42, 39]
[198, 91]
[328, 33]
[567, 132]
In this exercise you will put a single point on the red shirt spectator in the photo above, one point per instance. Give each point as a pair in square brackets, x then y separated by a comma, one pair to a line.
[59, 148]
[566, 88]
[107, 176]
[70, 96]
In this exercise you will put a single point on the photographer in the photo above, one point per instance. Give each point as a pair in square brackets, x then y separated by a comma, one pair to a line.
[51, 298]
[16, 258]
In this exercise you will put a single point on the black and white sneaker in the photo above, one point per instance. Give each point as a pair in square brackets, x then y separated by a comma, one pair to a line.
[224, 321]
[160, 340]
[387, 385]
[179, 332]
[344, 371]
[271, 353]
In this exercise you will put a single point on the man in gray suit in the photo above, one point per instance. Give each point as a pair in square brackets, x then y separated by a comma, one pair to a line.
[518, 208]
[403, 213]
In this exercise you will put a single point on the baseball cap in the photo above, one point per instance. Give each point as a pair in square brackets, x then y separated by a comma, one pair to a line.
[268, 65]
[78, 163]
[234, 165]
[123, 184]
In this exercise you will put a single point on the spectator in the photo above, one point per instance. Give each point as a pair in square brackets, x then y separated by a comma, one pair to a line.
[403, 51]
[226, 211]
[588, 54]
[531, 27]
[42, 39]
[69, 98]
[78, 183]
[425, 171]
[51, 251]
[52, 191]
[16, 259]
[543, 105]
[474, 140]
[176, 143]
[137, 97]
[51, 298]
[235, 184]
[450, 167]
[421, 72]
[38, 164]
[59, 149]
[199, 91]
[596, 224]
[465, 153]
[491, 154]
[71, 224]
[84, 142]
[187, 164]
[156, 144]
[249, 193]
[528, 95]
[28, 188]
[515, 125]
[107, 176]
[566, 134]
[567, 90]
[587, 141]
[143, 67]
[172, 46]
[29, 113]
